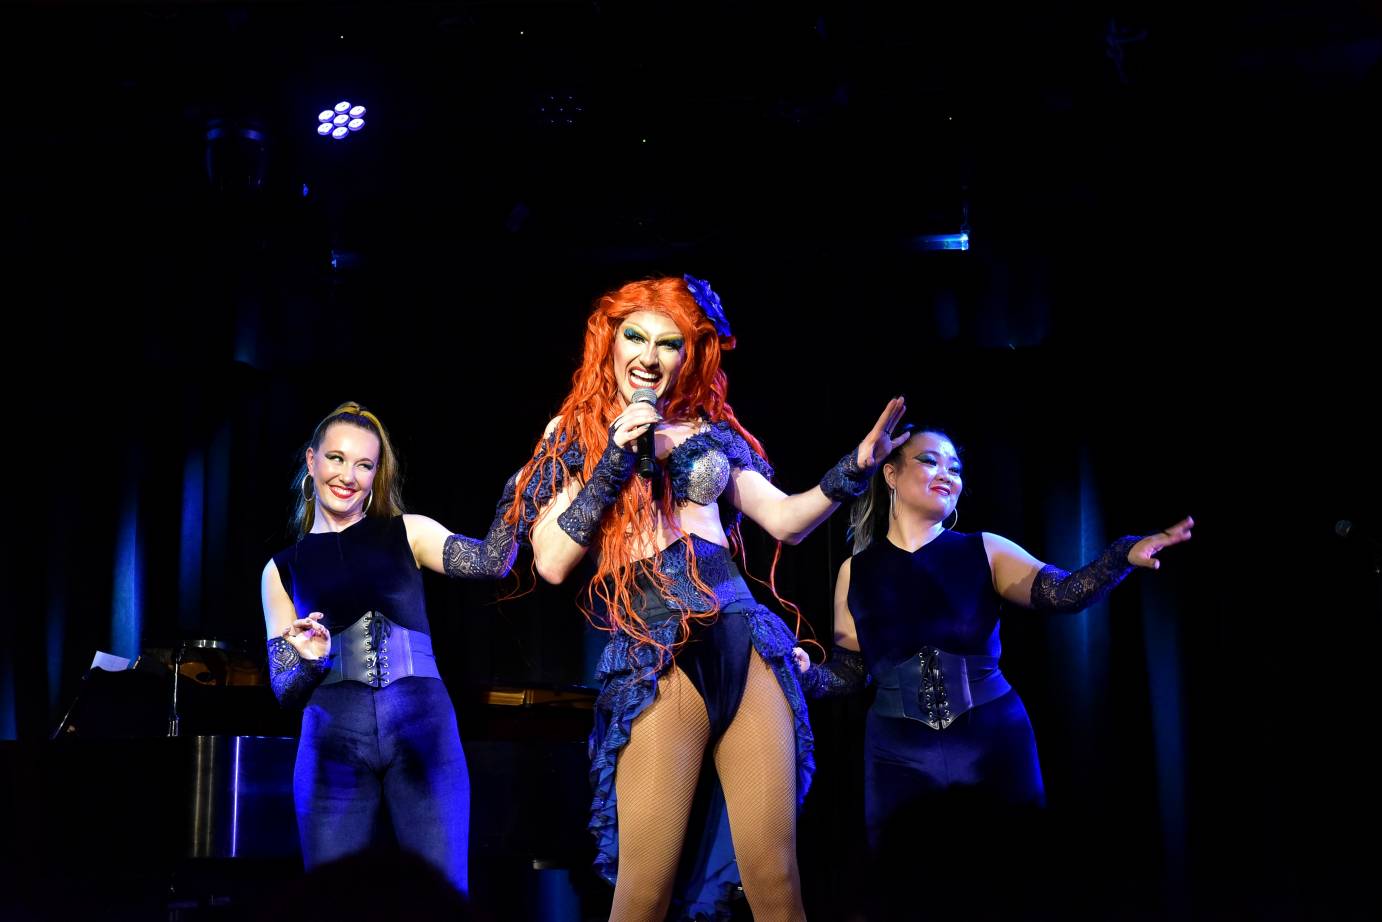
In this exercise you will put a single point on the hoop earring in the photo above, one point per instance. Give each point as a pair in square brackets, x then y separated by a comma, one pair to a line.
[955, 512]
[308, 494]
[892, 502]
[367, 501]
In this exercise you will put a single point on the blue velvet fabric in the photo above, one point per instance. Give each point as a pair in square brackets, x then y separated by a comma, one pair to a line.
[343, 574]
[941, 595]
[364, 748]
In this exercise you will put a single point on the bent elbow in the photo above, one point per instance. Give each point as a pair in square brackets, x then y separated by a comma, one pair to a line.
[550, 572]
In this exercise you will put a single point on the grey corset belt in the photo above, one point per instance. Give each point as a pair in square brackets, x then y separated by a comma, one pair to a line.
[376, 651]
[936, 687]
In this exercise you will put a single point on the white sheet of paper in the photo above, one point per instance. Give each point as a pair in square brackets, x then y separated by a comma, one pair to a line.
[109, 662]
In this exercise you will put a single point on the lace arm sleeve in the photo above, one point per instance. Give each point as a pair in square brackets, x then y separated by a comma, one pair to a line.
[1058, 590]
[581, 519]
[846, 479]
[292, 677]
[489, 557]
[842, 674]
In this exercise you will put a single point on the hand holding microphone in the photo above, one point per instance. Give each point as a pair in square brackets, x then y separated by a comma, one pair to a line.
[581, 520]
[633, 430]
[646, 465]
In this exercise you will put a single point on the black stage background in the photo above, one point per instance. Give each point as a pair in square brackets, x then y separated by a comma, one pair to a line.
[1167, 309]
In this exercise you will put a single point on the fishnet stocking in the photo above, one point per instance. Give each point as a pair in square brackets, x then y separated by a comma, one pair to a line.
[654, 785]
[756, 762]
[656, 781]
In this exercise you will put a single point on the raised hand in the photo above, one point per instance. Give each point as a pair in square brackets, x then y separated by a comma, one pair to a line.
[880, 441]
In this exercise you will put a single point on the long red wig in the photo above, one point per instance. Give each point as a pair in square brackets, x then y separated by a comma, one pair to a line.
[585, 417]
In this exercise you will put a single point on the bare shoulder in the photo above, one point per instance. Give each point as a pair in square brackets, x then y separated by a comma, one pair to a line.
[414, 522]
[996, 547]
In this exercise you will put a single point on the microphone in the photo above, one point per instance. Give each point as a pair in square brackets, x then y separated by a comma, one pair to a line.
[646, 465]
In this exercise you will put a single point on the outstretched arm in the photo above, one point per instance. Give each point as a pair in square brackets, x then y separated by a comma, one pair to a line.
[1023, 580]
[462, 557]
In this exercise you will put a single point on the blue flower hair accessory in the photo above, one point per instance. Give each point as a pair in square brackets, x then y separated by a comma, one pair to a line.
[709, 302]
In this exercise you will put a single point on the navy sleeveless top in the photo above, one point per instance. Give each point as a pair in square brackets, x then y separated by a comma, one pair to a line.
[941, 596]
[367, 567]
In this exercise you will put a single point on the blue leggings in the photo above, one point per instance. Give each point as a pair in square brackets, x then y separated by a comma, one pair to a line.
[397, 746]
[988, 755]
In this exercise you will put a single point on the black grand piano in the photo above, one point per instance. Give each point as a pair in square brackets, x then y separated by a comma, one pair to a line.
[171, 798]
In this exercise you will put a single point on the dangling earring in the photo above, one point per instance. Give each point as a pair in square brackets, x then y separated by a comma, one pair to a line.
[892, 502]
[955, 512]
[367, 499]
[308, 494]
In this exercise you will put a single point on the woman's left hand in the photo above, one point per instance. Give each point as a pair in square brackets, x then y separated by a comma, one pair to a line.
[880, 441]
[1143, 553]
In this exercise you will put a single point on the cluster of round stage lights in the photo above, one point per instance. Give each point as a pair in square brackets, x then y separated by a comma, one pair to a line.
[340, 120]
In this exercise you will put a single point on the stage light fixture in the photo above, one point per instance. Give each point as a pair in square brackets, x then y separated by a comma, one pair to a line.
[341, 120]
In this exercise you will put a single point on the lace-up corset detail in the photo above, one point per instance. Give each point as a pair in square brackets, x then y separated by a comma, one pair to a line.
[376, 651]
[376, 647]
